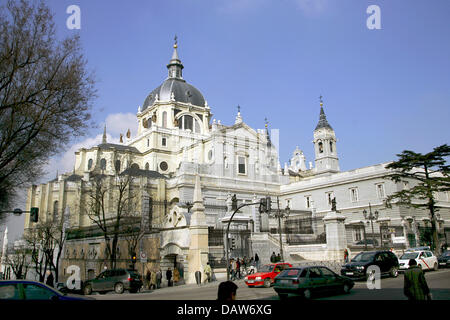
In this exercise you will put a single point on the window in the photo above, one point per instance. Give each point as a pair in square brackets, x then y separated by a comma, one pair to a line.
[308, 201]
[135, 166]
[354, 194]
[164, 119]
[55, 209]
[314, 273]
[147, 166]
[380, 191]
[148, 142]
[357, 235]
[163, 166]
[117, 165]
[164, 141]
[36, 292]
[186, 122]
[9, 292]
[103, 164]
[327, 272]
[331, 146]
[90, 164]
[320, 147]
[241, 165]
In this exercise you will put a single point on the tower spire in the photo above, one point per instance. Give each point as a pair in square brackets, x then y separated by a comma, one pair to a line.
[323, 123]
[104, 135]
[175, 66]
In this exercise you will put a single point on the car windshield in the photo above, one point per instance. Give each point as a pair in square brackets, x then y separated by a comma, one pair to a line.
[266, 268]
[409, 255]
[364, 256]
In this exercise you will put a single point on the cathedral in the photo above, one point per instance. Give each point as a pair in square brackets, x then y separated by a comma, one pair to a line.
[186, 168]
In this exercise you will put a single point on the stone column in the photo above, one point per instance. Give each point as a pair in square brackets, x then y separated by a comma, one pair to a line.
[198, 229]
[336, 238]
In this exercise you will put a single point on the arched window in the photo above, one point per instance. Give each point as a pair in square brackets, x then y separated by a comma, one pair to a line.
[117, 165]
[331, 146]
[55, 210]
[147, 167]
[187, 122]
[320, 147]
[103, 164]
[164, 119]
[135, 166]
[90, 164]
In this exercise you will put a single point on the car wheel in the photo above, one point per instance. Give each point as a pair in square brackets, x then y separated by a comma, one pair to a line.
[267, 283]
[307, 294]
[346, 288]
[436, 267]
[118, 288]
[283, 296]
[87, 290]
[394, 272]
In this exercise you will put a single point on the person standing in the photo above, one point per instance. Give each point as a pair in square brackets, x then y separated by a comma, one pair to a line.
[169, 277]
[158, 279]
[176, 276]
[148, 279]
[256, 261]
[208, 272]
[50, 279]
[345, 255]
[415, 286]
[153, 280]
[273, 257]
[238, 268]
[233, 269]
[278, 259]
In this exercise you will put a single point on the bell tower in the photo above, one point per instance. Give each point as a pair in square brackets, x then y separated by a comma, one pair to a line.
[326, 158]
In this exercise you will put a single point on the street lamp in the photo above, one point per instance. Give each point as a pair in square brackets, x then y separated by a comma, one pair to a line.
[279, 214]
[371, 216]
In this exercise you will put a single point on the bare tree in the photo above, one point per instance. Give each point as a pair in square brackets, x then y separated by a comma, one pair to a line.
[19, 261]
[46, 93]
[110, 219]
[36, 242]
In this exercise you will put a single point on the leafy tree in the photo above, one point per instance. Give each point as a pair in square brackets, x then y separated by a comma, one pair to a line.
[46, 93]
[431, 172]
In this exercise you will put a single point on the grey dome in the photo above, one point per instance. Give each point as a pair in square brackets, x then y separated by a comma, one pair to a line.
[183, 92]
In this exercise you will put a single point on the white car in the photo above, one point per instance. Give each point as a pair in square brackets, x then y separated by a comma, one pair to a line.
[425, 260]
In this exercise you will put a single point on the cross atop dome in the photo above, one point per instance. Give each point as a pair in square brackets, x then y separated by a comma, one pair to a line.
[175, 66]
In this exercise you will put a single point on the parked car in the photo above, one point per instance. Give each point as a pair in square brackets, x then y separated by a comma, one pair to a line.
[307, 281]
[444, 259]
[370, 242]
[425, 260]
[418, 249]
[115, 279]
[265, 275]
[32, 290]
[357, 267]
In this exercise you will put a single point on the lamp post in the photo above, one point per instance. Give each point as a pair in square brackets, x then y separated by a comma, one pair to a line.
[371, 216]
[279, 214]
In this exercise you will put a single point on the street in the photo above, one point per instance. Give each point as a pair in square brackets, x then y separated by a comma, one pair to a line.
[391, 289]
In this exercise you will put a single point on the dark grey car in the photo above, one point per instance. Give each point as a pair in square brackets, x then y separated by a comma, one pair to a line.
[115, 279]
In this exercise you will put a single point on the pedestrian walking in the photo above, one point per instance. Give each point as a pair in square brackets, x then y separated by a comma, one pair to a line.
[256, 261]
[238, 268]
[158, 279]
[278, 258]
[169, 277]
[50, 280]
[233, 269]
[346, 255]
[153, 281]
[415, 286]
[208, 272]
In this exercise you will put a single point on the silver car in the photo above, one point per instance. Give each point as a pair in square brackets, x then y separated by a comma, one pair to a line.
[115, 279]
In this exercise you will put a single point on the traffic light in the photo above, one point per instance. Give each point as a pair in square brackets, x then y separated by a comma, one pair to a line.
[34, 212]
[133, 258]
[233, 243]
[268, 204]
[262, 205]
[234, 203]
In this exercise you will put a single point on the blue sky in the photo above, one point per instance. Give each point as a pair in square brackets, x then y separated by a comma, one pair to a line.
[384, 90]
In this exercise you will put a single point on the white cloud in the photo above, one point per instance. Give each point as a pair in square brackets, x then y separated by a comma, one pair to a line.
[116, 124]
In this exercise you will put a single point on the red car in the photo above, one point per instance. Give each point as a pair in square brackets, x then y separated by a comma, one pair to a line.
[266, 275]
